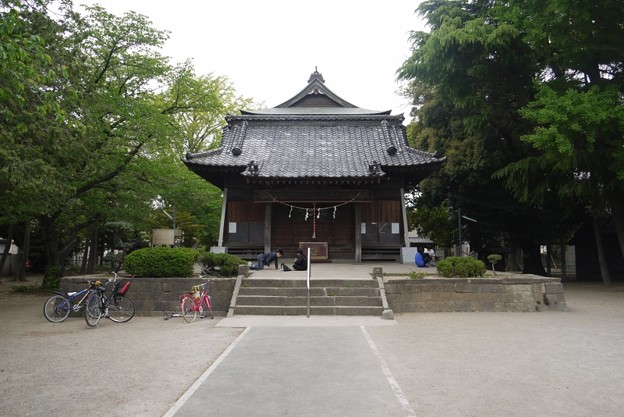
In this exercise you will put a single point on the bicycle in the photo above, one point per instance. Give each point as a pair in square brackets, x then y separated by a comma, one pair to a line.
[116, 307]
[57, 308]
[192, 302]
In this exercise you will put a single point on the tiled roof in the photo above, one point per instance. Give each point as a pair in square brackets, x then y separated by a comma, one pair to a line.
[295, 147]
[314, 135]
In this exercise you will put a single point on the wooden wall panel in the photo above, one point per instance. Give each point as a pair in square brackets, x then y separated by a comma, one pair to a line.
[244, 211]
[291, 227]
[383, 211]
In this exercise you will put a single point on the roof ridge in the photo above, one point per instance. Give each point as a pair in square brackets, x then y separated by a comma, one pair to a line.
[313, 117]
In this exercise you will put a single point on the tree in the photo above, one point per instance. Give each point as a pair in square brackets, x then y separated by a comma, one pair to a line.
[112, 142]
[577, 113]
[31, 114]
[469, 77]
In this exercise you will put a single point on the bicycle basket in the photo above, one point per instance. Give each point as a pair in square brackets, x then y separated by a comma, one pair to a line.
[121, 288]
[196, 292]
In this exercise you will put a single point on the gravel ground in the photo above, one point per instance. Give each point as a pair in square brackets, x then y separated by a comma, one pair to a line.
[448, 364]
[68, 369]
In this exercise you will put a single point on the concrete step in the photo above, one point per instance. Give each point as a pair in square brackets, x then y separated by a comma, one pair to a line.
[302, 311]
[280, 301]
[327, 297]
[314, 292]
[314, 283]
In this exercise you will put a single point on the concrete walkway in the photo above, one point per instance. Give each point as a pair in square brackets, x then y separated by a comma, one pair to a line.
[342, 270]
[430, 364]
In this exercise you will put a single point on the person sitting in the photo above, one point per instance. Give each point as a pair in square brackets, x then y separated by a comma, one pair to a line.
[426, 258]
[266, 258]
[419, 259]
[301, 261]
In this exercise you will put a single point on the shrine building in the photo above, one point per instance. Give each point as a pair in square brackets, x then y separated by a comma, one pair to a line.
[315, 171]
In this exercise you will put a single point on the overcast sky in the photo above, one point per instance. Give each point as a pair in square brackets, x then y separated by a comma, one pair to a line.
[269, 48]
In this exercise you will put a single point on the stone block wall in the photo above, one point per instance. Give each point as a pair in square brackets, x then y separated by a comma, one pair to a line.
[528, 293]
[158, 296]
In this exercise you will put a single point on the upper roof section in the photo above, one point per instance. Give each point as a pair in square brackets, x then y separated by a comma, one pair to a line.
[315, 99]
[315, 137]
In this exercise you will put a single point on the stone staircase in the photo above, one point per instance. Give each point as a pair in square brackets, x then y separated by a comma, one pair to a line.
[327, 297]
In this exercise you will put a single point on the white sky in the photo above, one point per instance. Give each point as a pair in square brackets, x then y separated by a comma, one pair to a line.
[269, 48]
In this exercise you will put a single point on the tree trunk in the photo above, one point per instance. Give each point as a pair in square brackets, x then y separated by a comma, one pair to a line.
[532, 259]
[83, 263]
[602, 261]
[514, 260]
[57, 254]
[93, 248]
[7, 248]
[618, 220]
[21, 268]
[50, 239]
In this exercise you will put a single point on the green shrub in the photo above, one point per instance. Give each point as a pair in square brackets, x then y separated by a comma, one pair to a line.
[52, 280]
[161, 262]
[220, 264]
[494, 259]
[461, 266]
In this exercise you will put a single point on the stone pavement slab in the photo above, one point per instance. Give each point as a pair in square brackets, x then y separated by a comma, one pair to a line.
[298, 371]
[555, 364]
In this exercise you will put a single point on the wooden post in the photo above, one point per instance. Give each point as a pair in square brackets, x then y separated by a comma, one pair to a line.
[223, 208]
[267, 227]
[404, 213]
[357, 208]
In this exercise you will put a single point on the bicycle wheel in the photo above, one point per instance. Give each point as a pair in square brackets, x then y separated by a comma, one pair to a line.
[56, 308]
[120, 309]
[189, 312]
[93, 309]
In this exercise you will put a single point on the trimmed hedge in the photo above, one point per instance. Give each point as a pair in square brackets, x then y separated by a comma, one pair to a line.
[220, 264]
[161, 262]
[461, 266]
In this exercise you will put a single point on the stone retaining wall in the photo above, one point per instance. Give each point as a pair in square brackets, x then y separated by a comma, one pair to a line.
[156, 296]
[526, 293]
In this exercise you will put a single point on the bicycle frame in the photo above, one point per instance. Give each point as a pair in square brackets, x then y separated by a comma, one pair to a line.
[204, 299]
[58, 307]
[95, 312]
[71, 296]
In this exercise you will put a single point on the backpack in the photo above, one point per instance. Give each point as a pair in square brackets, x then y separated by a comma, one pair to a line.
[286, 268]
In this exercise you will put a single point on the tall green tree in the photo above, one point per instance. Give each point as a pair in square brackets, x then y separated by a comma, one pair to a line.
[113, 141]
[578, 113]
[469, 77]
[31, 116]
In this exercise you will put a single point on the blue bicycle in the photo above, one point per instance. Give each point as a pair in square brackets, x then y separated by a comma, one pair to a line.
[57, 308]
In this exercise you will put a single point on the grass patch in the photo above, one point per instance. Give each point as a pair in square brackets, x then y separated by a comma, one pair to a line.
[29, 289]
[417, 275]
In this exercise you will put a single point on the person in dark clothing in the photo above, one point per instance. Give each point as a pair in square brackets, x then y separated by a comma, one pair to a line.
[301, 261]
[267, 258]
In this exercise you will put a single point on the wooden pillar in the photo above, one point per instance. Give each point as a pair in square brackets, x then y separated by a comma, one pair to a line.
[223, 208]
[267, 227]
[404, 213]
[357, 238]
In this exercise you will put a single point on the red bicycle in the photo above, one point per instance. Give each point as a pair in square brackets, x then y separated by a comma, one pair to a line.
[193, 302]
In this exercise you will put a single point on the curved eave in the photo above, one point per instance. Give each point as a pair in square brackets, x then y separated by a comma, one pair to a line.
[216, 175]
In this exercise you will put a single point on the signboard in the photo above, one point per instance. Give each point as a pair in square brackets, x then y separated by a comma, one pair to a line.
[318, 250]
